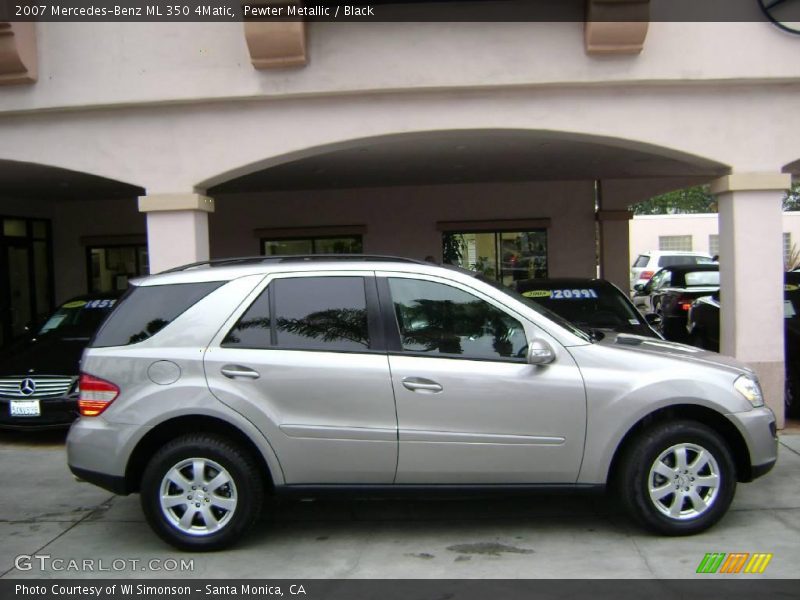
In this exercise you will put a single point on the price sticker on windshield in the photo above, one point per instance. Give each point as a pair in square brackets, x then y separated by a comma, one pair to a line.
[576, 294]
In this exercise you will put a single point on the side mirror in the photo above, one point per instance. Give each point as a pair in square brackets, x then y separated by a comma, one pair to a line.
[653, 319]
[540, 353]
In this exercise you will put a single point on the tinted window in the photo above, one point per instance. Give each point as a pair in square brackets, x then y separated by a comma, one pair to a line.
[669, 261]
[441, 320]
[146, 310]
[641, 262]
[254, 328]
[310, 313]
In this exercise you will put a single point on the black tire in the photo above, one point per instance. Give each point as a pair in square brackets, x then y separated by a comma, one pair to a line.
[219, 516]
[638, 466]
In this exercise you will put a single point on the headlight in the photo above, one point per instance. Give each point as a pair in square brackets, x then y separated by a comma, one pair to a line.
[748, 387]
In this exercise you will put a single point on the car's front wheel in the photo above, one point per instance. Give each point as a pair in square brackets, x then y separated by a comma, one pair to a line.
[678, 478]
[201, 492]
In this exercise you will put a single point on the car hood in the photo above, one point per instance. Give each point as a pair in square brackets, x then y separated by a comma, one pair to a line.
[46, 355]
[655, 347]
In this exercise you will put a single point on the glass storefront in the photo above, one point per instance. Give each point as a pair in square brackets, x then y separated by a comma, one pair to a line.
[347, 244]
[110, 267]
[505, 256]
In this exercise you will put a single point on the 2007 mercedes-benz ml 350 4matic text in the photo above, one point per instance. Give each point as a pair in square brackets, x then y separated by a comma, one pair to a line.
[212, 385]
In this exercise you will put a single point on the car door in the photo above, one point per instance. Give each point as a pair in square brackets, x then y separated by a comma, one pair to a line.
[470, 408]
[303, 360]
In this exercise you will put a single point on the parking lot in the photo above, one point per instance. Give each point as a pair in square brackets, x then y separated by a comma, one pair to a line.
[44, 512]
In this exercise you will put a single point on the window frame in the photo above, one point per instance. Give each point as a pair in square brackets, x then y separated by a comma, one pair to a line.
[375, 327]
[392, 327]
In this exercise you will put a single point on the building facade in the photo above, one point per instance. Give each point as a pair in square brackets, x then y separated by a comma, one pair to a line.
[133, 146]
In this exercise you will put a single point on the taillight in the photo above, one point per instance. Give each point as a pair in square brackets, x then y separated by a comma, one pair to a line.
[96, 395]
[685, 303]
[646, 275]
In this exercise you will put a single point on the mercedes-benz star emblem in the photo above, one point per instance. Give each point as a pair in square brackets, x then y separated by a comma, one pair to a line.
[27, 386]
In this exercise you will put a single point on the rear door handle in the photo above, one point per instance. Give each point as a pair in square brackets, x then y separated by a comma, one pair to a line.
[234, 371]
[418, 384]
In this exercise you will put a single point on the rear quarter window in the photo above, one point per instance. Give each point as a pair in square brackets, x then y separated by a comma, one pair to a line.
[641, 262]
[699, 278]
[146, 310]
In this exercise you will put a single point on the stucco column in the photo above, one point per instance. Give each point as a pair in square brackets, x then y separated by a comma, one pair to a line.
[615, 247]
[177, 229]
[751, 276]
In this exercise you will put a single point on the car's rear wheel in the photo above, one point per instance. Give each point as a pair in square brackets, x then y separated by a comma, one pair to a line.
[201, 492]
[677, 479]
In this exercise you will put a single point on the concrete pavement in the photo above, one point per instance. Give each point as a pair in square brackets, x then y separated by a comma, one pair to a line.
[45, 512]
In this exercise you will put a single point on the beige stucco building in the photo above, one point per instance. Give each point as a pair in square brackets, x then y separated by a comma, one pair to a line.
[128, 143]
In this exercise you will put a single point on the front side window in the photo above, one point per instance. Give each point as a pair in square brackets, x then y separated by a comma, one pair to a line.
[440, 320]
[306, 313]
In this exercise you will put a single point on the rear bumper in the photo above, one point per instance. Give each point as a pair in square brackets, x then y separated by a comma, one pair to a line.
[112, 483]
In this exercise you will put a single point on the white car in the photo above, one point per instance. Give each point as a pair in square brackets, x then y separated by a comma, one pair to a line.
[648, 263]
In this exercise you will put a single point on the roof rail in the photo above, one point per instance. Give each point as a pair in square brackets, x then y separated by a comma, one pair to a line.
[253, 260]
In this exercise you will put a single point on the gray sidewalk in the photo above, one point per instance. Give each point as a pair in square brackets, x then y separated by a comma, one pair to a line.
[44, 511]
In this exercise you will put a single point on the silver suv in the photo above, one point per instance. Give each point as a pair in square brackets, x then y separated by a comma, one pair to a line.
[215, 384]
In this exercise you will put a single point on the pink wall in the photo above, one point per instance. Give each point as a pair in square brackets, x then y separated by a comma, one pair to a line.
[402, 220]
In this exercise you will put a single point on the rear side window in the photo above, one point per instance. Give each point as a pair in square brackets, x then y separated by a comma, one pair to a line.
[702, 278]
[306, 313]
[669, 261]
[146, 310]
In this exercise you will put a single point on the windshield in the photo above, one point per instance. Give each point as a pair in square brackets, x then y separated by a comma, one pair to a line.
[589, 306]
[78, 318]
[545, 312]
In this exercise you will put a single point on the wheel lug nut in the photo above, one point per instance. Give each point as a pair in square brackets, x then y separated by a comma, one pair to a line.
[197, 505]
[189, 496]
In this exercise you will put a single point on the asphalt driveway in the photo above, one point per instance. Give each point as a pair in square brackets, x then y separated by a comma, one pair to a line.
[44, 512]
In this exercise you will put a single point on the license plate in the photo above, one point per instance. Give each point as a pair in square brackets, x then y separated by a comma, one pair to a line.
[25, 408]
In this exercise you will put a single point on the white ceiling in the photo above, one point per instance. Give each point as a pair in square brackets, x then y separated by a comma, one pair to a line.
[470, 157]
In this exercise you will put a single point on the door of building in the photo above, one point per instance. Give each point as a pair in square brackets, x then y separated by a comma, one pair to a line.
[26, 278]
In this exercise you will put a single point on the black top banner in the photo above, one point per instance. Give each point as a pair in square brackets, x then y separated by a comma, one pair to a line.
[778, 11]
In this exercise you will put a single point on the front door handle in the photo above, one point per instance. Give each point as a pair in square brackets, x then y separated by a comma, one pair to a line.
[234, 371]
[418, 384]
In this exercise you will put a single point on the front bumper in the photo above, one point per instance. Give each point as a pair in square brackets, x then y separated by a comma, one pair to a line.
[758, 428]
[56, 413]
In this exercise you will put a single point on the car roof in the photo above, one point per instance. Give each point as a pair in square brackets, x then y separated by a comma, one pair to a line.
[692, 268]
[673, 253]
